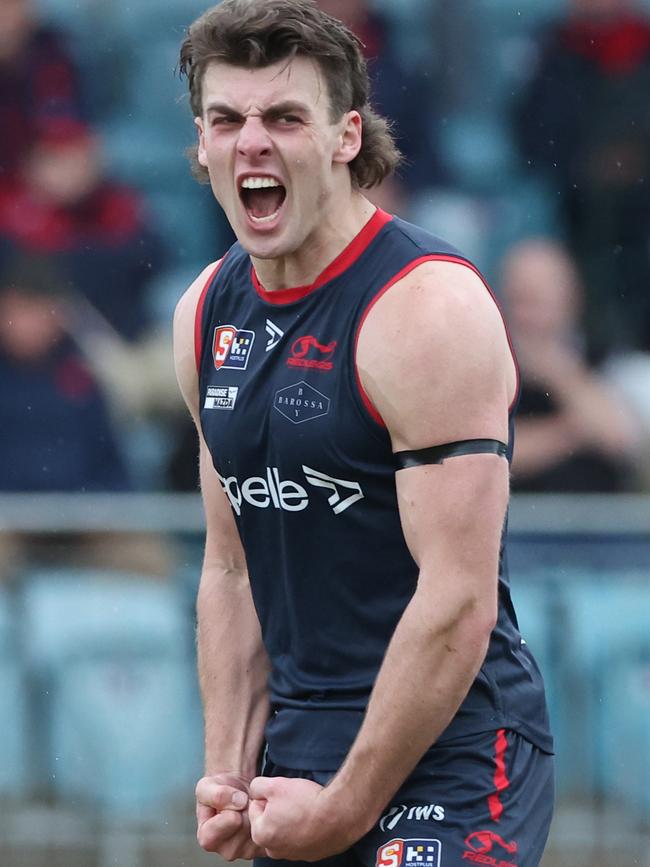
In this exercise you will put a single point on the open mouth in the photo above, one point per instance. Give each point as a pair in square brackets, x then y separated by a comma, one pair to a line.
[262, 198]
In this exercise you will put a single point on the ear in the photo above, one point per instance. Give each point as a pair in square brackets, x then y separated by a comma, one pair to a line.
[349, 139]
[201, 155]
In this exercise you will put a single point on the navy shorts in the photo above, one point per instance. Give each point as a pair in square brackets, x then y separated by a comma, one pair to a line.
[483, 799]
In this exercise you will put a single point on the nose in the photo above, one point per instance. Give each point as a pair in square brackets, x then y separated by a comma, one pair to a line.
[254, 140]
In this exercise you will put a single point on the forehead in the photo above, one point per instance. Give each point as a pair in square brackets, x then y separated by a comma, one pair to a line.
[299, 79]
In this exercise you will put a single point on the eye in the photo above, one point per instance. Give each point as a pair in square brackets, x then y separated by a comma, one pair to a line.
[286, 119]
[223, 120]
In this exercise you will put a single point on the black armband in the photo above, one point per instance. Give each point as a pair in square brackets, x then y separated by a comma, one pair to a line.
[437, 454]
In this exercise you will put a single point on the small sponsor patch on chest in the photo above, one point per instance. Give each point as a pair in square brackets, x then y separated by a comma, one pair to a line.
[231, 347]
[221, 397]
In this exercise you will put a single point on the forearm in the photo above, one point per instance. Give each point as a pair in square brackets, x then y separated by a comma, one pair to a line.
[233, 672]
[429, 666]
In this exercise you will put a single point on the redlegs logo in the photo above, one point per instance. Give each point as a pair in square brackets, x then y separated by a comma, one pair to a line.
[307, 351]
[483, 841]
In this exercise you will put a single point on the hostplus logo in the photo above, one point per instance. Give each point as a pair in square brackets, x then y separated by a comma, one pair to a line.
[231, 347]
[272, 492]
[409, 853]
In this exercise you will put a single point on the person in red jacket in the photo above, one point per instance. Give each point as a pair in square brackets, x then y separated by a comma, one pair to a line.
[38, 81]
[63, 204]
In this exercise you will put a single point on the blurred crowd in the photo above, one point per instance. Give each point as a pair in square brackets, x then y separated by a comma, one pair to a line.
[526, 142]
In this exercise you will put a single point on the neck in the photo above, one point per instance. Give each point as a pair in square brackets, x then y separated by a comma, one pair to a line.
[334, 234]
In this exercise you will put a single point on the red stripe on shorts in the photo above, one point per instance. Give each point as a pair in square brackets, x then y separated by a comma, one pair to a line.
[501, 780]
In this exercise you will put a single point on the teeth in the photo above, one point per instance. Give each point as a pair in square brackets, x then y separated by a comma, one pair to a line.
[259, 183]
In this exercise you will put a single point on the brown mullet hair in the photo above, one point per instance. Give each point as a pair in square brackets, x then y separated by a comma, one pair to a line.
[259, 33]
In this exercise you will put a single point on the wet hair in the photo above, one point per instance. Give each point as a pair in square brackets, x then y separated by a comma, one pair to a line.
[257, 33]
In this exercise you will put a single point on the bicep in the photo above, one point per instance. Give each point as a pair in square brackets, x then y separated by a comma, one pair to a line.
[434, 358]
[452, 515]
[449, 377]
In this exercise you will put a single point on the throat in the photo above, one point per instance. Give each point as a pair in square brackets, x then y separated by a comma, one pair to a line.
[264, 202]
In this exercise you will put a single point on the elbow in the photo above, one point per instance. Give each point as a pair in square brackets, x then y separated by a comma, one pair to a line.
[487, 613]
[475, 623]
[481, 602]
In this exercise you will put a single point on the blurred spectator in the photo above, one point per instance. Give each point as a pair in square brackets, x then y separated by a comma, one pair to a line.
[405, 96]
[629, 374]
[584, 121]
[38, 81]
[574, 433]
[57, 434]
[63, 205]
[56, 430]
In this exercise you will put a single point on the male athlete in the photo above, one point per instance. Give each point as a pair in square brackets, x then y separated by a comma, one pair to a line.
[368, 699]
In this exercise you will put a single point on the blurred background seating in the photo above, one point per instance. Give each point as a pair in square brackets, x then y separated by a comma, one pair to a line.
[112, 653]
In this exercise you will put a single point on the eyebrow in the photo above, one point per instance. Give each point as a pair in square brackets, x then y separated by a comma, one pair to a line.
[278, 108]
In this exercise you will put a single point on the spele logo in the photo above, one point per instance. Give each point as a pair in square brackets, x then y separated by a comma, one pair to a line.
[270, 491]
[231, 347]
[308, 352]
[409, 853]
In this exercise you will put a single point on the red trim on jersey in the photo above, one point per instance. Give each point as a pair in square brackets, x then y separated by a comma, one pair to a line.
[342, 262]
[501, 781]
[434, 257]
[198, 316]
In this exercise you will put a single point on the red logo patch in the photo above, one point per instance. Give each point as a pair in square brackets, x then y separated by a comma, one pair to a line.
[231, 347]
[390, 855]
[482, 843]
[307, 351]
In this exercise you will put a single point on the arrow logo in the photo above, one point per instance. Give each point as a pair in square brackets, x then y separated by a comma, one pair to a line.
[275, 335]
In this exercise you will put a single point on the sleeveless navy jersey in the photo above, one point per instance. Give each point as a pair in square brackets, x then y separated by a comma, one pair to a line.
[308, 469]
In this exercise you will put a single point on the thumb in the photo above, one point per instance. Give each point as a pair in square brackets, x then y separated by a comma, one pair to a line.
[261, 788]
[256, 810]
[220, 797]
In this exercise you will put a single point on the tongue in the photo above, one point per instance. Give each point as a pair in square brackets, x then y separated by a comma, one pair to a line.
[264, 202]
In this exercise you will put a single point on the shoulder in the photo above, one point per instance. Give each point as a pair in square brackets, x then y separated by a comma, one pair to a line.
[433, 351]
[184, 336]
[448, 299]
[189, 300]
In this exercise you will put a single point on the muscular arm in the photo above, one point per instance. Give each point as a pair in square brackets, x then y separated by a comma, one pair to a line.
[233, 665]
[450, 378]
[232, 661]
[434, 360]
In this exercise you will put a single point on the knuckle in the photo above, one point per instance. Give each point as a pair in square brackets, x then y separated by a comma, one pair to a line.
[205, 840]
